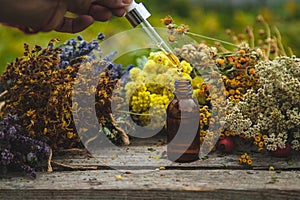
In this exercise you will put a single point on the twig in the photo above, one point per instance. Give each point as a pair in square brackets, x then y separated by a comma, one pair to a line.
[2, 95]
[90, 140]
[77, 167]
[72, 150]
[2, 104]
[49, 162]
[124, 135]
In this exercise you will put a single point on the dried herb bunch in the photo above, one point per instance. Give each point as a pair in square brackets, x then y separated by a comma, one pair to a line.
[249, 113]
[40, 84]
[245, 85]
[38, 92]
[150, 89]
[269, 115]
[224, 76]
[19, 152]
[97, 81]
[238, 70]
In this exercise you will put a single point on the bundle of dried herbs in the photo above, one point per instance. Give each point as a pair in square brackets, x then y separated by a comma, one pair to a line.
[39, 86]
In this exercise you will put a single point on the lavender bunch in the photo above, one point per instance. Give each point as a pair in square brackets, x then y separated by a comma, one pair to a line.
[19, 152]
[76, 48]
[90, 51]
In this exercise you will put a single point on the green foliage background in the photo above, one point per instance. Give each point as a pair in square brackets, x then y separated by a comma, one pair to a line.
[206, 17]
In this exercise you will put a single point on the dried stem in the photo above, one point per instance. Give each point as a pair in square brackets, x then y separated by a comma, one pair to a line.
[2, 104]
[212, 39]
[49, 162]
[90, 140]
[221, 47]
[279, 41]
[267, 27]
[290, 51]
[76, 167]
[72, 150]
[124, 135]
[2, 94]
[276, 53]
[251, 37]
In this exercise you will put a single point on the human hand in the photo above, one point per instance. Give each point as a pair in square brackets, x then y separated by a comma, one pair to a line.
[48, 15]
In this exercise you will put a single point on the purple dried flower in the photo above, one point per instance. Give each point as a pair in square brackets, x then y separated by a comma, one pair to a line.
[6, 157]
[18, 151]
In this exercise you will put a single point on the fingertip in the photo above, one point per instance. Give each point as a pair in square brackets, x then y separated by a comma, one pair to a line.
[112, 4]
[100, 13]
[119, 12]
[126, 1]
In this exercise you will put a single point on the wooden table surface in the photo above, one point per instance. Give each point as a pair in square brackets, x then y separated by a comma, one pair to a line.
[142, 171]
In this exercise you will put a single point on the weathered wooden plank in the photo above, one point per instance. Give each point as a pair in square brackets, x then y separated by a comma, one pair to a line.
[213, 161]
[158, 184]
[136, 172]
[152, 153]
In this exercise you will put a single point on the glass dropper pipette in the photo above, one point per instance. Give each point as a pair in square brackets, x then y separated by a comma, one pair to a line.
[137, 14]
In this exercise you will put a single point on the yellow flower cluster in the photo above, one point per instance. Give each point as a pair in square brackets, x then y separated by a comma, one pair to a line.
[239, 72]
[227, 134]
[158, 59]
[205, 116]
[186, 69]
[245, 159]
[238, 85]
[259, 141]
[151, 88]
[141, 100]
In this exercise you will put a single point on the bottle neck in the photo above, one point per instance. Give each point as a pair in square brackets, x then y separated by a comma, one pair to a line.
[183, 88]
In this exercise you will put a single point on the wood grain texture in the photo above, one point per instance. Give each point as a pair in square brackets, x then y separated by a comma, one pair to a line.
[142, 171]
[151, 154]
[161, 184]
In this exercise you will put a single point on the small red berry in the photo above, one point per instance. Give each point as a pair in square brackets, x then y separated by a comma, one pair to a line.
[225, 145]
[283, 152]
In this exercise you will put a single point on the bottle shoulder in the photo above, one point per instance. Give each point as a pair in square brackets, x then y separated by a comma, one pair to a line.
[183, 105]
[183, 101]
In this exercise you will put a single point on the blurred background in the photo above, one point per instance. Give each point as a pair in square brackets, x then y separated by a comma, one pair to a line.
[206, 17]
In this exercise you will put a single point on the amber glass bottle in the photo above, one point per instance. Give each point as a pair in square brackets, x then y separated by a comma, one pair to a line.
[183, 117]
